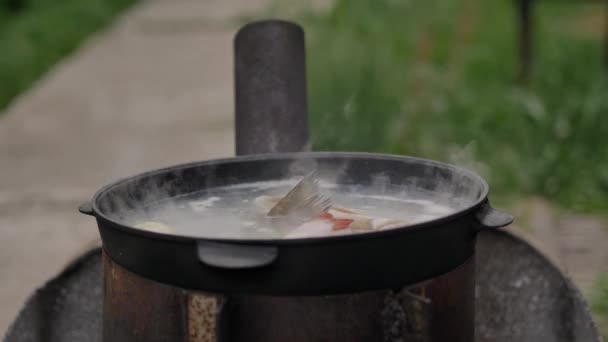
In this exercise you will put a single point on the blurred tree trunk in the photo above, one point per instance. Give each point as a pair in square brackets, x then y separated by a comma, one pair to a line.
[606, 33]
[14, 6]
[524, 20]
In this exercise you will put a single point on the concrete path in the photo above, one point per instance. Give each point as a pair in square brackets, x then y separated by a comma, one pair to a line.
[153, 90]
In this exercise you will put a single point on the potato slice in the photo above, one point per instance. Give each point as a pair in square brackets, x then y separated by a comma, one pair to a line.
[155, 227]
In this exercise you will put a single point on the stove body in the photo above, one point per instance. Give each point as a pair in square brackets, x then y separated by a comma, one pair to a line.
[137, 309]
[547, 307]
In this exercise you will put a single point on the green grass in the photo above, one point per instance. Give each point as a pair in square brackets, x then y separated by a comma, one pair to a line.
[437, 79]
[34, 39]
[599, 304]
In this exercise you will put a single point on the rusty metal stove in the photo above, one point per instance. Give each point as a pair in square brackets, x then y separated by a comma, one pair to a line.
[545, 307]
[137, 309]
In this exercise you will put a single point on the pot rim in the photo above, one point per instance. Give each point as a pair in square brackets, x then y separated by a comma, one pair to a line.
[474, 207]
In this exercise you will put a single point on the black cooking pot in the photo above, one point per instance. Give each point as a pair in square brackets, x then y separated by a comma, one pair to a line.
[312, 266]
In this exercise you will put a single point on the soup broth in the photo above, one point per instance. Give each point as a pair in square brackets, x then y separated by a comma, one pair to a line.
[233, 212]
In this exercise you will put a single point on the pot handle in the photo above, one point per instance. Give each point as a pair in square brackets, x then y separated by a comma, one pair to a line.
[233, 256]
[87, 209]
[490, 218]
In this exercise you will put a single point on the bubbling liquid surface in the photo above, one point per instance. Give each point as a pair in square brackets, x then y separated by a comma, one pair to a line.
[231, 212]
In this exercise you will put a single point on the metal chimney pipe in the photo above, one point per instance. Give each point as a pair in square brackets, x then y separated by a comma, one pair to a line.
[270, 88]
